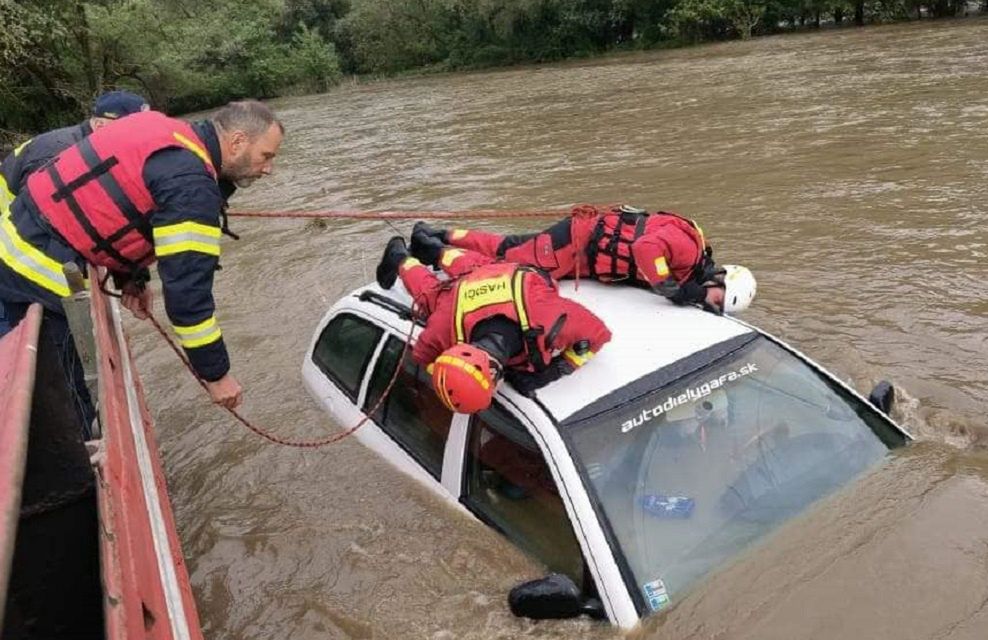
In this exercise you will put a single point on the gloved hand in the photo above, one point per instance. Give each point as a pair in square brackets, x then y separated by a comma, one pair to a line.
[526, 383]
[690, 292]
[138, 278]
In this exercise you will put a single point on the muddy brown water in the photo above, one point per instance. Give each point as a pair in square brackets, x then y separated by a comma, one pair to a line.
[848, 169]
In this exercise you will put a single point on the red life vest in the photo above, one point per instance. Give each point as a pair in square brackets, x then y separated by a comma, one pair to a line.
[609, 248]
[504, 289]
[94, 196]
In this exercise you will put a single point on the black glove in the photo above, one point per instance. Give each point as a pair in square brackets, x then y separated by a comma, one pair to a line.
[526, 383]
[138, 278]
[690, 292]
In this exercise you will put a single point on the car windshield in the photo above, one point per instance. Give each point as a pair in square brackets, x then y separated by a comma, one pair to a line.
[692, 472]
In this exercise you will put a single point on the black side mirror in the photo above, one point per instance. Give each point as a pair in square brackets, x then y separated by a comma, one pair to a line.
[553, 597]
[882, 396]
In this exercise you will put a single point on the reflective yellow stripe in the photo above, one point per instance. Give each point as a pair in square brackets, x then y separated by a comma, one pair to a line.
[449, 255]
[22, 146]
[471, 296]
[519, 299]
[661, 267]
[199, 335]
[408, 263]
[474, 371]
[457, 234]
[29, 262]
[194, 148]
[6, 195]
[577, 359]
[186, 236]
[476, 294]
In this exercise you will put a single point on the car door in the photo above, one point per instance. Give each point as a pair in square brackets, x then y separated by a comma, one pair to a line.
[411, 415]
[508, 485]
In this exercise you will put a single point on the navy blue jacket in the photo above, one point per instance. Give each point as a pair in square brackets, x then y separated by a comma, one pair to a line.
[34, 153]
[184, 192]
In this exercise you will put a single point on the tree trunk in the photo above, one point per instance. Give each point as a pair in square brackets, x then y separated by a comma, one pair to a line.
[859, 13]
[838, 16]
[86, 51]
[625, 31]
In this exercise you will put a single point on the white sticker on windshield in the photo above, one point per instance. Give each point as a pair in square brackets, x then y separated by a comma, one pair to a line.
[690, 395]
[656, 594]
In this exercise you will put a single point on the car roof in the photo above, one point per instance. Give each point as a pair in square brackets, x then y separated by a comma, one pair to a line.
[648, 333]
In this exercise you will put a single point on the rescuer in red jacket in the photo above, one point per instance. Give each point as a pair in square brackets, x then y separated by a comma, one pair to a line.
[662, 251]
[488, 318]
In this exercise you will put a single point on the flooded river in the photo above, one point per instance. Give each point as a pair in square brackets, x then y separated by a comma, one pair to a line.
[848, 169]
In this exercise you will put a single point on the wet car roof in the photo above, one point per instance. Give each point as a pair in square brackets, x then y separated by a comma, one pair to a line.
[648, 333]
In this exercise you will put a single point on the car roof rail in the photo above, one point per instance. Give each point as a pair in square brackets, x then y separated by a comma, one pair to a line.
[402, 310]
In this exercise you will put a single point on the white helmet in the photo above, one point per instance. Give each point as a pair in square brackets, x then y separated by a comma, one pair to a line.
[739, 288]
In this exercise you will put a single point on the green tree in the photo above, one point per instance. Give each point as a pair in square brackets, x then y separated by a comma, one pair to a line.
[717, 19]
[36, 89]
[384, 36]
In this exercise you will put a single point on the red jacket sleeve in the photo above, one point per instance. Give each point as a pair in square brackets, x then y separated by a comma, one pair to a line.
[581, 326]
[433, 340]
[664, 252]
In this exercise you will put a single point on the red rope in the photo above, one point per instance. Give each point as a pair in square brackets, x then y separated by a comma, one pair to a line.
[303, 444]
[400, 215]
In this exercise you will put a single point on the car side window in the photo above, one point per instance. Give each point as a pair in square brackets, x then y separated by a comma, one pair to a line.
[411, 414]
[343, 350]
[509, 486]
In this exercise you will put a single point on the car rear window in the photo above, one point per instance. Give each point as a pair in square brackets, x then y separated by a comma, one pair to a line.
[343, 350]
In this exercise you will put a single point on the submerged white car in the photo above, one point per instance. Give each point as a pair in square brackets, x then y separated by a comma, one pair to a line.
[688, 438]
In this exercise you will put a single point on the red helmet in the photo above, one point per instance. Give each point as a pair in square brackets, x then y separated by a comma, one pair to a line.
[463, 378]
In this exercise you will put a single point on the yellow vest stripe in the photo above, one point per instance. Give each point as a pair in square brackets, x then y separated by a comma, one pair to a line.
[519, 299]
[199, 335]
[186, 236]
[493, 294]
[6, 195]
[29, 262]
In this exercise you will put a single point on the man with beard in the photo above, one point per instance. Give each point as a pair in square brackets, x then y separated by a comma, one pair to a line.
[148, 188]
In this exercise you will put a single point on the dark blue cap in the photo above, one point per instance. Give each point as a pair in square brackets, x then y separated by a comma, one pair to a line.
[117, 104]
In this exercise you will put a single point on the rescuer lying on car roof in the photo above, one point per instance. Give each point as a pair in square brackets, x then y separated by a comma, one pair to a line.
[661, 251]
[491, 317]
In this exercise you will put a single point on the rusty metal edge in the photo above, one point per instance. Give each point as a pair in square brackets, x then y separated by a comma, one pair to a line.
[128, 419]
[15, 419]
